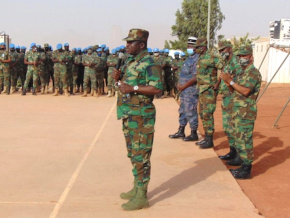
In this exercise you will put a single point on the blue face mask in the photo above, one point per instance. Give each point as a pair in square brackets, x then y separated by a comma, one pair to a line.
[99, 54]
[190, 51]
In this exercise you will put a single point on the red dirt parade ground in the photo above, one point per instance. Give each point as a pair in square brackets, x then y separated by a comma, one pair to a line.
[66, 157]
[269, 187]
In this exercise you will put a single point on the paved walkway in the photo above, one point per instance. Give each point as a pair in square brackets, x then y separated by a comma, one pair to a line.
[66, 157]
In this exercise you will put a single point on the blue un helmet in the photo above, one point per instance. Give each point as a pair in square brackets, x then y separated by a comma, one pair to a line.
[182, 54]
[32, 44]
[166, 50]
[99, 50]
[23, 48]
[59, 46]
[66, 44]
[114, 51]
[17, 47]
[103, 46]
[106, 49]
[79, 49]
[12, 46]
[176, 53]
[156, 50]
[161, 51]
[149, 50]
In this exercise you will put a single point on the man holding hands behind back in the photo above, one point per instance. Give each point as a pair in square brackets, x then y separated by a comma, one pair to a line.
[137, 87]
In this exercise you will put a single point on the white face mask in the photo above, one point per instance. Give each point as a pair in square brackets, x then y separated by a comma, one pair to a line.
[156, 54]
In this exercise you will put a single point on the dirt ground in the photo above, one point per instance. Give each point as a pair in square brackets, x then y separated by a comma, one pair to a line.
[269, 186]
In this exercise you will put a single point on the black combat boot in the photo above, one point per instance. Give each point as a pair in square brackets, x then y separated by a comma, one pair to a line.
[208, 142]
[236, 161]
[179, 134]
[244, 172]
[202, 141]
[71, 89]
[192, 137]
[33, 91]
[24, 91]
[229, 155]
[61, 90]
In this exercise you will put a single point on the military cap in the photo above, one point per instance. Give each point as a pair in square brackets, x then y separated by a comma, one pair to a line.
[223, 44]
[66, 44]
[46, 45]
[137, 35]
[122, 47]
[182, 54]
[11, 45]
[23, 47]
[149, 49]
[156, 50]
[59, 46]
[99, 50]
[176, 53]
[245, 50]
[166, 50]
[201, 42]
[113, 51]
[191, 40]
[32, 44]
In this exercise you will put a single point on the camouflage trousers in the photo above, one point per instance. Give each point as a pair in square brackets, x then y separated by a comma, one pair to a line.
[14, 75]
[139, 134]
[43, 77]
[243, 130]
[75, 77]
[1, 78]
[31, 74]
[60, 77]
[6, 76]
[90, 75]
[69, 76]
[188, 109]
[168, 80]
[22, 76]
[100, 80]
[227, 118]
[207, 106]
[110, 82]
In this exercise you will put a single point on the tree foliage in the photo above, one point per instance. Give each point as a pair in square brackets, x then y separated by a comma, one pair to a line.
[191, 20]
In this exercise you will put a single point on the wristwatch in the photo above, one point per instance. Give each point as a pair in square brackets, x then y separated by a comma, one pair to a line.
[136, 89]
[232, 83]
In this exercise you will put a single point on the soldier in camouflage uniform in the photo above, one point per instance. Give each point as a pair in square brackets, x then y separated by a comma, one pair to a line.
[69, 64]
[60, 74]
[158, 59]
[22, 66]
[42, 69]
[13, 68]
[76, 69]
[189, 95]
[5, 60]
[246, 87]
[49, 67]
[32, 59]
[141, 81]
[100, 69]
[207, 67]
[89, 62]
[112, 62]
[168, 78]
[177, 64]
[232, 67]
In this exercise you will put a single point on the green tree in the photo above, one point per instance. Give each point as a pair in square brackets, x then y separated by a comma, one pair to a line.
[191, 20]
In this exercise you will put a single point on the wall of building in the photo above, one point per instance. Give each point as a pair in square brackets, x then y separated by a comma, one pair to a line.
[259, 51]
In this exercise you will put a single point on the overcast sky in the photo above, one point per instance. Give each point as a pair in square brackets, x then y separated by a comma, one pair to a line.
[90, 22]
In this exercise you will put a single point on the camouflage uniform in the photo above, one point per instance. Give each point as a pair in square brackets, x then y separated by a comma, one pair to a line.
[31, 69]
[69, 65]
[14, 68]
[207, 67]
[112, 62]
[158, 60]
[42, 70]
[5, 71]
[100, 69]
[177, 63]
[138, 114]
[22, 68]
[49, 67]
[168, 80]
[90, 72]
[245, 112]
[60, 71]
[189, 96]
[76, 69]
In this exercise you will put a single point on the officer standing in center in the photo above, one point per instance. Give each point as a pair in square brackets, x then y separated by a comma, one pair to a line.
[189, 95]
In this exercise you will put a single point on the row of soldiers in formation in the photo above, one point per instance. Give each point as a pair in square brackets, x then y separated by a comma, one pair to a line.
[87, 70]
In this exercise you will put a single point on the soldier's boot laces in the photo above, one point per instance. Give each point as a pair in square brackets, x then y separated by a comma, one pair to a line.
[208, 142]
[229, 155]
[179, 133]
[85, 94]
[130, 194]
[139, 201]
[95, 93]
[244, 172]
[192, 137]
[55, 92]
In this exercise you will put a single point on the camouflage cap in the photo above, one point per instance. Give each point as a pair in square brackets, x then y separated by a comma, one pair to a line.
[201, 42]
[137, 35]
[245, 50]
[46, 45]
[223, 44]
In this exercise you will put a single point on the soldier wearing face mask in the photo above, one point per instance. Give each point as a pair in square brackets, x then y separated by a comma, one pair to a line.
[49, 67]
[232, 67]
[245, 87]
[5, 60]
[112, 62]
[158, 60]
[207, 67]
[13, 68]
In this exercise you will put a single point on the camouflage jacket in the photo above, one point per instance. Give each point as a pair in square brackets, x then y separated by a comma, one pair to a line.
[61, 56]
[89, 59]
[31, 56]
[245, 106]
[207, 67]
[234, 68]
[139, 70]
[112, 62]
[42, 65]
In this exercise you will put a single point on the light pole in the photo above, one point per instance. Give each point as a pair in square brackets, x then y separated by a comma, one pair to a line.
[208, 23]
